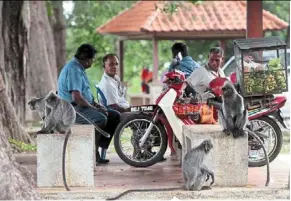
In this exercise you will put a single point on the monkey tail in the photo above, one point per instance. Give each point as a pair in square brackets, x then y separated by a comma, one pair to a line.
[253, 134]
[105, 134]
[68, 133]
[142, 190]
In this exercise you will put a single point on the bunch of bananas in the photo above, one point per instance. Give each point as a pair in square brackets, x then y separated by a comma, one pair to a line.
[280, 79]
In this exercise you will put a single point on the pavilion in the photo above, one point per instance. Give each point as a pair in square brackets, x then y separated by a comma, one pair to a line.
[209, 20]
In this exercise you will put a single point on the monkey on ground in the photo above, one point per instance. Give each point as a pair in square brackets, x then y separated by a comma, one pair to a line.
[195, 173]
[234, 118]
[62, 117]
[232, 115]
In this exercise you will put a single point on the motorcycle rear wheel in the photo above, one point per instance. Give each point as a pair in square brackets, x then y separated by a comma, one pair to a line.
[141, 157]
[278, 141]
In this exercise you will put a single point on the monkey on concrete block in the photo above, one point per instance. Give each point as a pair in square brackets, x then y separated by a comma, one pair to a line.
[234, 118]
[38, 105]
[232, 115]
[62, 117]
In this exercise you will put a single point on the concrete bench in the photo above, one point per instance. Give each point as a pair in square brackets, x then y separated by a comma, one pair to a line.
[80, 158]
[229, 157]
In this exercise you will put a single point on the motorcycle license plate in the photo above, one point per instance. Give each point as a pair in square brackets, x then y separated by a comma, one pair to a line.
[143, 108]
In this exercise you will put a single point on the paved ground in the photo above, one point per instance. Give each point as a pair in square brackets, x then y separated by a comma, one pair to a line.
[117, 176]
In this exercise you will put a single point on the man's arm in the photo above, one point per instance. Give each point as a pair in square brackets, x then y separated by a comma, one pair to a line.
[74, 85]
[79, 99]
[111, 94]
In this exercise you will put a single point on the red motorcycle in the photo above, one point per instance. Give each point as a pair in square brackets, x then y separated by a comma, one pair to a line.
[141, 139]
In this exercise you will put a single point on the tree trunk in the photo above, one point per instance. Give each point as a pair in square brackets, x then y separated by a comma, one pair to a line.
[16, 182]
[59, 30]
[11, 126]
[8, 117]
[42, 71]
[14, 35]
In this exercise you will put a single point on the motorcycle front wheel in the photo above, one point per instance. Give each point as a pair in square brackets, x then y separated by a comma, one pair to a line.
[272, 139]
[128, 134]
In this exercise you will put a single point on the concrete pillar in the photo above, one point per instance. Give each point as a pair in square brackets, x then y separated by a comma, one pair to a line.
[120, 53]
[222, 44]
[155, 60]
[254, 19]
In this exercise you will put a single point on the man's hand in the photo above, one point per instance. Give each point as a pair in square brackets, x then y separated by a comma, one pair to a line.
[101, 107]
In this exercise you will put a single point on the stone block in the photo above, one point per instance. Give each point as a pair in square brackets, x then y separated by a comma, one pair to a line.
[229, 157]
[80, 158]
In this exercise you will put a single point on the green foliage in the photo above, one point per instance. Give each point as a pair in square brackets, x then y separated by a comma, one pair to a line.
[171, 7]
[22, 146]
[82, 24]
[49, 8]
[282, 10]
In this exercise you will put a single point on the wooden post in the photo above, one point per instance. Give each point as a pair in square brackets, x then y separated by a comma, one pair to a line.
[254, 19]
[222, 44]
[120, 54]
[155, 60]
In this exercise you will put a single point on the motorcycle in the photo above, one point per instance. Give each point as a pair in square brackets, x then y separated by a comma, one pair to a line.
[141, 138]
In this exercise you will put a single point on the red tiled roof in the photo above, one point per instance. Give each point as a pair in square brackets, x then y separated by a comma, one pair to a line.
[207, 16]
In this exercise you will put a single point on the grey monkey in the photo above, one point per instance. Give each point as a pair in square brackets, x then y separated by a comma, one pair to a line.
[195, 173]
[234, 118]
[61, 118]
[232, 115]
[62, 115]
[39, 105]
[63, 112]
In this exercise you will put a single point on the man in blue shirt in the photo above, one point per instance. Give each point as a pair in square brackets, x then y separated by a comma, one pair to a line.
[74, 86]
[187, 65]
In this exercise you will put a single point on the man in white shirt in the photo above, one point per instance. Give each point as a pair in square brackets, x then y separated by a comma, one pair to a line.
[201, 77]
[111, 85]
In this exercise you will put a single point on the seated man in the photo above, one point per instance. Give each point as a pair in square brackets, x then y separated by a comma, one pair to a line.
[186, 65]
[111, 85]
[74, 87]
[201, 77]
[112, 88]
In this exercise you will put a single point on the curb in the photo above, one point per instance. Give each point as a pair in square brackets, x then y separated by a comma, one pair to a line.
[215, 193]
